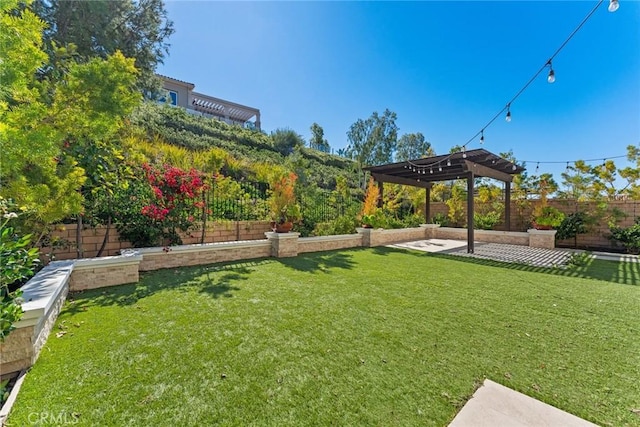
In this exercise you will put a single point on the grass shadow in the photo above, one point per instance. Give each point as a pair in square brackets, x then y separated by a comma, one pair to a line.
[626, 273]
[324, 262]
[216, 280]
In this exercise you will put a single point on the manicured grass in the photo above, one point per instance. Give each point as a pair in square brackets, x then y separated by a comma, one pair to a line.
[361, 337]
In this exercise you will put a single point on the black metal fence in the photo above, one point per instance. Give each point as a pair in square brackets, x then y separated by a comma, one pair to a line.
[247, 201]
[324, 207]
[238, 201]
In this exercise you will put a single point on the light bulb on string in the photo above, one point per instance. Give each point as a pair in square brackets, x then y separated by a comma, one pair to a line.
[439, 168]
[537, 167]
[552, 74]
[514, 167]
[464, 152]
[482, 137]
[448, 162]
[567, 167]
[508, 117]
[613, 5]
[431, 170]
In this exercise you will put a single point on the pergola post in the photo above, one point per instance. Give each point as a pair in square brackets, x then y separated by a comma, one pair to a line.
[470, 245]
[381, 193]
[427, 205]
[507, 205]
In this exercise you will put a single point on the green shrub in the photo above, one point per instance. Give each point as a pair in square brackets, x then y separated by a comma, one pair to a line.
[18, 261]
[486, 221]
[629, 237]
[441, 219]
[341, 225]
[572, 225]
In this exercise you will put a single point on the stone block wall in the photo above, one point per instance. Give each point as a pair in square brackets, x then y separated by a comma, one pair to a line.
[489, 236]
[329, 243]
[92, 238]
[189, 255]
[96, 276]
[17, 352]
[542, 238]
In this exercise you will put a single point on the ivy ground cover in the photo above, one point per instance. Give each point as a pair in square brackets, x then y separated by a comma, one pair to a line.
[360, 337]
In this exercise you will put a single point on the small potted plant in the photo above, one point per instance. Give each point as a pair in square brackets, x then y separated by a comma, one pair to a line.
[547, 218]
[285, 211]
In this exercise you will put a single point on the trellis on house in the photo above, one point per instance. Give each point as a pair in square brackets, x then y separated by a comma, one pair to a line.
[467, 165]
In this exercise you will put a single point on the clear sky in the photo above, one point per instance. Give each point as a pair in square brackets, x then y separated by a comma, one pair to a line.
[445, 68]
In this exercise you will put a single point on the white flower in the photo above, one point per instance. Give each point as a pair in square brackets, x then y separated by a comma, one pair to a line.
[11, 215]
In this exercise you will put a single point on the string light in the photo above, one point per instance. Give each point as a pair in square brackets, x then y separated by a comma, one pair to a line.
[552, 75]
[537, 167]
[448, 162]
[574, 161]
[613, 5]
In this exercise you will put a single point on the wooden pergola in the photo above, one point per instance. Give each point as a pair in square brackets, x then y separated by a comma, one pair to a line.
[462, 165]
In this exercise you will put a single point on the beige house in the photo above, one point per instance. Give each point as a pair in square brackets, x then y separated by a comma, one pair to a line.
[181, 94]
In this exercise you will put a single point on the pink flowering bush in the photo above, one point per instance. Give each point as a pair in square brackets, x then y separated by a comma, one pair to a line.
[177, 199]
[154, 210]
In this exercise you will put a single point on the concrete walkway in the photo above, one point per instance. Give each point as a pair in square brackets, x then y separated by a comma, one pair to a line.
[494, 251]
[496, 405]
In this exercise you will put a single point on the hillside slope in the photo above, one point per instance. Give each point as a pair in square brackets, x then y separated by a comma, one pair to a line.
[176, 126]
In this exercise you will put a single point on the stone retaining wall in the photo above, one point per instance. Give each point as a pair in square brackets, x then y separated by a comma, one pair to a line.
[329, 243]
[92, 238]
[44, 295]
[208, 253]
[489, 236]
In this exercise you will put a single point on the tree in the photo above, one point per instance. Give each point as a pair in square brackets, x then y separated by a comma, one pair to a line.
[373, 141]
[45, 122]
[577, 181]
[285, 140]
[413, 146]
[317, 140]
[632, 174]
[99, 28]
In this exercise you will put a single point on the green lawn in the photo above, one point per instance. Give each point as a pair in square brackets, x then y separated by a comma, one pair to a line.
[359, 337]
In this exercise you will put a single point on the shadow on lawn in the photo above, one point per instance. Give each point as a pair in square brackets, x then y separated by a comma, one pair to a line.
[321, 261]
[217, 281]
[626, 273]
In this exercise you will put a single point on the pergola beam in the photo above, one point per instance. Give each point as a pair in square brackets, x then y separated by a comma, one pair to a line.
[399, 180]
[479, 170]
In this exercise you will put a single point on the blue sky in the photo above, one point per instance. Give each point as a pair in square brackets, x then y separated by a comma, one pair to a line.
[445, 68]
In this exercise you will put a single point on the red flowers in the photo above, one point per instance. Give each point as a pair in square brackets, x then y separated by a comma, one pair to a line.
[177, 192]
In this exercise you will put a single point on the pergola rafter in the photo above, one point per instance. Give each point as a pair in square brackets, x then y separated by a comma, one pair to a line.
[467, 165]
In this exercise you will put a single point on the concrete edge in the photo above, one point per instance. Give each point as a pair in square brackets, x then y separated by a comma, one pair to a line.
[8, 405]
[336, 238]
[203, 247]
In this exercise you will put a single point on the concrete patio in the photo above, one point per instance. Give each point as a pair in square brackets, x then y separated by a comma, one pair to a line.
[537, 257]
